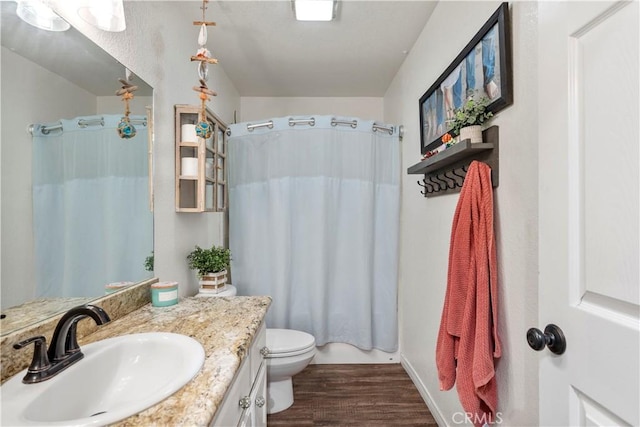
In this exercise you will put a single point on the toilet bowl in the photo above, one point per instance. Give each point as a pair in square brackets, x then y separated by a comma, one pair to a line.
[290, 352]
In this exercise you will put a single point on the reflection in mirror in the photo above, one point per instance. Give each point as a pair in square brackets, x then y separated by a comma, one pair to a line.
[75, 203]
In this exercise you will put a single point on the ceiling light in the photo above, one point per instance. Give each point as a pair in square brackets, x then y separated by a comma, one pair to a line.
[40, 15]
[107, 15]
[314, 10]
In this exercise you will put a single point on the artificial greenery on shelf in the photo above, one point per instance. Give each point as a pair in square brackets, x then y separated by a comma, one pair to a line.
[473, 112]
[211, 260]
[148, 262]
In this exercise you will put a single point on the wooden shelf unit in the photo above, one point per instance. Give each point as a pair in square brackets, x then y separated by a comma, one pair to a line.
[443, 172]
[201, 193]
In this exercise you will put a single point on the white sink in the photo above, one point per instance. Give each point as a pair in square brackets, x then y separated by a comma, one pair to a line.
[117, 378]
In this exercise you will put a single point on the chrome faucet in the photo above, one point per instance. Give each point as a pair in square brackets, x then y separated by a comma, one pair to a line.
[64, 350]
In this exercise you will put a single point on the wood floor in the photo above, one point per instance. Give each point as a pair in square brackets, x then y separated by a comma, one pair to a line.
[354, 395]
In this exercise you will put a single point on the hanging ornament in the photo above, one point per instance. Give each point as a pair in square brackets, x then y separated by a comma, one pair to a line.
[203, 71]
[125, 129]
[204, 129]
[202, 37]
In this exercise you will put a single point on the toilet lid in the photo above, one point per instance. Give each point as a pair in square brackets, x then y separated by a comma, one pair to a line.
[288, 340]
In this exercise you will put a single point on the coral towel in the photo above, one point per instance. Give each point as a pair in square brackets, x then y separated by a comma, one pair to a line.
[468, 341]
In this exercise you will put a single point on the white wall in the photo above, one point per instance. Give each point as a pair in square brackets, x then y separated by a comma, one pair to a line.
[259, 108]
[30, 94]
[157, 48]
[426, 223]
[115, 104]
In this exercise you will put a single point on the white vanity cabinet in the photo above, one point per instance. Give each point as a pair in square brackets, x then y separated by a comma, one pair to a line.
[245, 403]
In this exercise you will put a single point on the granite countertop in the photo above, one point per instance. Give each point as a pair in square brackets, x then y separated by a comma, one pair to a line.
[225, 326]
[33, 311]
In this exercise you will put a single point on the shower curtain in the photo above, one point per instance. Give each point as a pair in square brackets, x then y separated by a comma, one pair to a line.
[314, 223]
[92, 223]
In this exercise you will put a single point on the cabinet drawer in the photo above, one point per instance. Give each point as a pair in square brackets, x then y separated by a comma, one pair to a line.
[230, 411]
[248, 389]
[246, 420]
[254, 353]
[259, 397]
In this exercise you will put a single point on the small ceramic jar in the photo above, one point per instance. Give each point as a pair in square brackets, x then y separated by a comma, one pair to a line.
[116, 286]
[164, 294]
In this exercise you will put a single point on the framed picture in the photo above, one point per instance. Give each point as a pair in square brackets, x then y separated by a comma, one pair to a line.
[482, 69]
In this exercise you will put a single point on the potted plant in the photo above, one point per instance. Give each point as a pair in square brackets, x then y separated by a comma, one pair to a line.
[467, 120]
[148, 262]
[211, 264]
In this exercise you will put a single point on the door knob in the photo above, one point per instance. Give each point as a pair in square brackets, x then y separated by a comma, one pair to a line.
[552, 337]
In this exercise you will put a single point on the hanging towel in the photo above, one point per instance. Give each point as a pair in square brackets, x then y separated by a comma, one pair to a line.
[468, 341]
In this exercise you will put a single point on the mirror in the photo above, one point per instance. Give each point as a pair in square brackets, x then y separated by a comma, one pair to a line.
[66, 234]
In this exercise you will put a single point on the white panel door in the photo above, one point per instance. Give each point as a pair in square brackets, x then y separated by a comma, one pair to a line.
[589, 212]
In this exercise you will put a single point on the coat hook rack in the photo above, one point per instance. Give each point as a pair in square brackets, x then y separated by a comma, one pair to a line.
[444, 173]
[423, 185]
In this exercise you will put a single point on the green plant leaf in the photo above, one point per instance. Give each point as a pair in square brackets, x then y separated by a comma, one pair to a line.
[472, 112]
[209, 260]
[148, 262]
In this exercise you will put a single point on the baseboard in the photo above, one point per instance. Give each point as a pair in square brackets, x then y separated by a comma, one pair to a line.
[337, 353]
[426, 396]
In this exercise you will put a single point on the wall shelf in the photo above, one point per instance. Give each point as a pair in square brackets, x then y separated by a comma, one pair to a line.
[203, 192]
[444, 172]
[451, 155]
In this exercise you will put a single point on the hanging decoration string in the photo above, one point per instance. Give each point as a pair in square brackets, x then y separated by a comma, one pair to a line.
[203, 57]
[125, 129]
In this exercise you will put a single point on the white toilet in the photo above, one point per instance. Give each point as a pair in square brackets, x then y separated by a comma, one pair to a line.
[290, 352]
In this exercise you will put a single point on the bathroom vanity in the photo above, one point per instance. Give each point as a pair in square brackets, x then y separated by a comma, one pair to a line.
[245, 403]
[229, 389]
[232, 332]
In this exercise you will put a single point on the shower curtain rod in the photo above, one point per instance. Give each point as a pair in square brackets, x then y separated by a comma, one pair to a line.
[312, 121]
[268, 124]
[352, 123]
[83, 123]
[375, 128]
[379, 127]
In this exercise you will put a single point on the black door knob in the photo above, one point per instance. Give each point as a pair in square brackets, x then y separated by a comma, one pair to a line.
[552, 338]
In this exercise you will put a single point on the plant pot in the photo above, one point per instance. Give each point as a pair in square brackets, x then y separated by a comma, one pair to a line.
[214, 280]
[474, 133]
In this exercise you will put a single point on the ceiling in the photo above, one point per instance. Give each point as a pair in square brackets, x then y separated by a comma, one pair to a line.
[260, 46]
[68, 54]
[266, 52]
